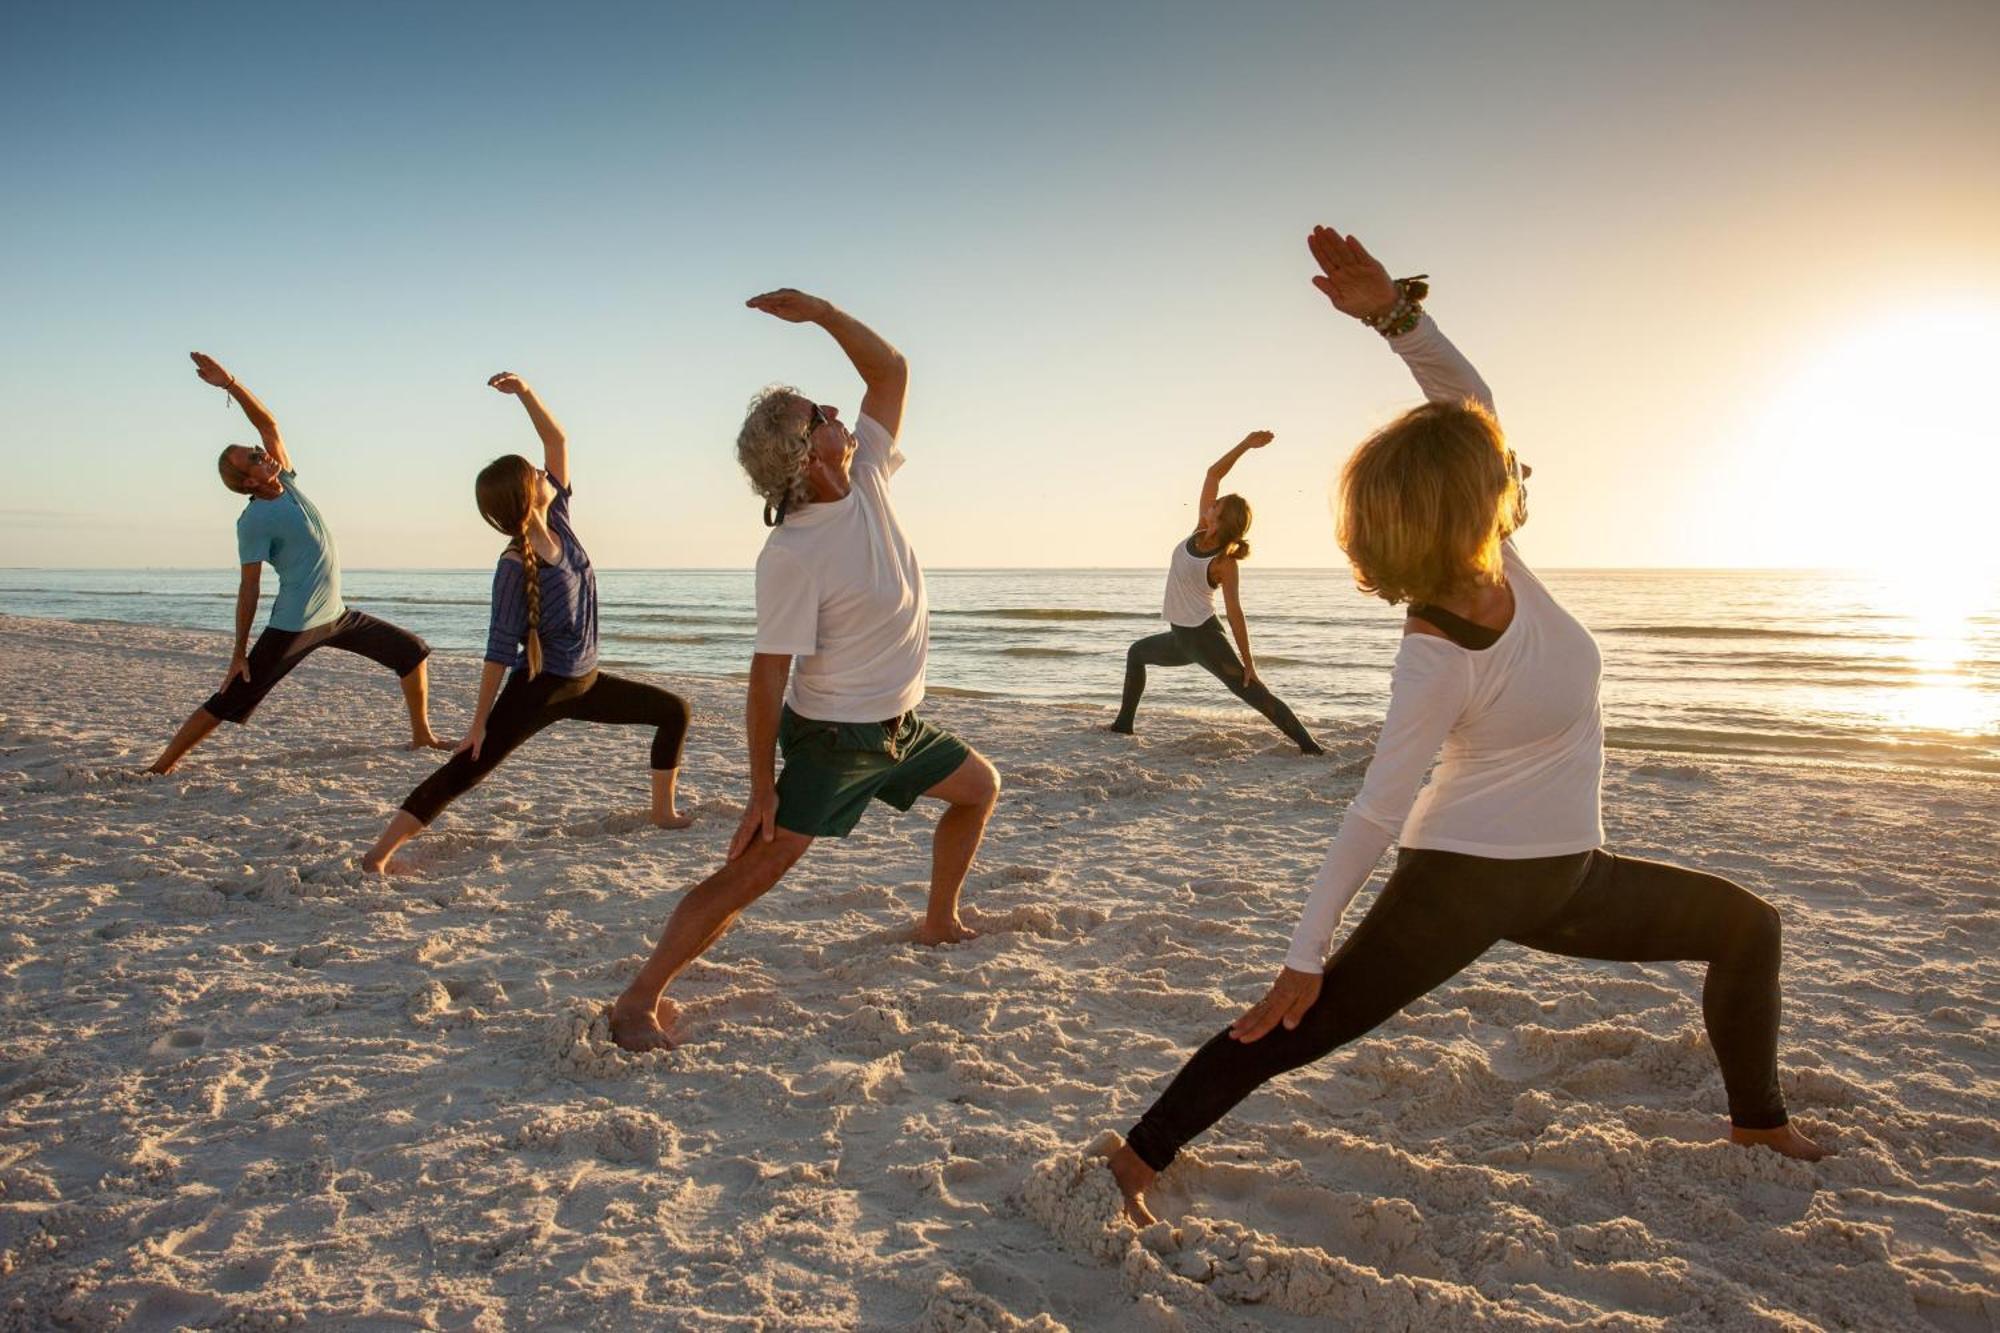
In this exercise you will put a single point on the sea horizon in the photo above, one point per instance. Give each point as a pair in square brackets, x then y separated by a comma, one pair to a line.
[1797, 666]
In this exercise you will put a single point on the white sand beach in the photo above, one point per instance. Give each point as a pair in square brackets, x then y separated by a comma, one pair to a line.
[242, 1086]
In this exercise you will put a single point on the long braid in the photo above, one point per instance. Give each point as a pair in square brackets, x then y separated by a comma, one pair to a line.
[531, 571]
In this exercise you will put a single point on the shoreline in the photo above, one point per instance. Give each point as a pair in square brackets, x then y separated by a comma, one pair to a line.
[244, 1083]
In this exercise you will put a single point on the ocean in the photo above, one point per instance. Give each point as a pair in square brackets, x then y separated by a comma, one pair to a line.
[1801, 667]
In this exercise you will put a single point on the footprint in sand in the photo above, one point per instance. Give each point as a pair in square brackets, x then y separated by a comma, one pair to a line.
[181, 1042]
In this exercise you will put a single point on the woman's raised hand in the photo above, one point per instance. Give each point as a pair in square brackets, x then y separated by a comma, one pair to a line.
[1286, 1002]
[791, 305]
[1257, 439]
[508, 382]
[1352, 279]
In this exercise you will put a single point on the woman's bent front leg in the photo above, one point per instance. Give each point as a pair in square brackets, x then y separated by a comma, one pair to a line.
[1409, 943]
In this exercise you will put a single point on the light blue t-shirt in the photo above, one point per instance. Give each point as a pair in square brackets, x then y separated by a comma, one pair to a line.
[291, 535]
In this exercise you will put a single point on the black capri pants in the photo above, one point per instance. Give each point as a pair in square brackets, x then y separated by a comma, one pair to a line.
[1206, 646]
[1441, 910]
[526, 706]
[277, 651]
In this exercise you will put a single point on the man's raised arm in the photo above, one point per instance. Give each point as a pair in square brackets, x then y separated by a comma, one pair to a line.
[881, 367]
[211, 372]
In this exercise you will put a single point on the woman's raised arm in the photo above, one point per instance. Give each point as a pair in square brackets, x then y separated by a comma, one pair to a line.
[1211, 484]
[1360, 287]
[555, 445]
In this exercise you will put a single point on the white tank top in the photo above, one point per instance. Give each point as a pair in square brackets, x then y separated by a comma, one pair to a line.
[1189, 600]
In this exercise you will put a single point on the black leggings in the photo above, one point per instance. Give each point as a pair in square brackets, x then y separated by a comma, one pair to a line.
[277, 651]
[1206, 646]
[526, 706]
[1441, 910]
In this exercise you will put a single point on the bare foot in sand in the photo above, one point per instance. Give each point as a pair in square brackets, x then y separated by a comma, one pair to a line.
[1133, 1176]
[388, 865]
[637, 1030]
[428, 741]
[1785, 1139]
[671, 819]
[952, 932]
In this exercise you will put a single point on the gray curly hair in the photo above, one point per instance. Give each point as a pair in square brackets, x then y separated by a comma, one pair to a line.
[772, 448]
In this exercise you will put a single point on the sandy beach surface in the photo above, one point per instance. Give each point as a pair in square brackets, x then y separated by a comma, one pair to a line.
[242, 1086]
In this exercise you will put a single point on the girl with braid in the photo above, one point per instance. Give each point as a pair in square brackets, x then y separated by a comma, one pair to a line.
[542, 640]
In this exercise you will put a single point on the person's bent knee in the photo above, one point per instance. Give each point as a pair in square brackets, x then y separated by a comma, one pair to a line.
[987, 793]
[1764, 929]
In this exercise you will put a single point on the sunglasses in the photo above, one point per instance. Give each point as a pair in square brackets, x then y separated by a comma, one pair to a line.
[819, 418]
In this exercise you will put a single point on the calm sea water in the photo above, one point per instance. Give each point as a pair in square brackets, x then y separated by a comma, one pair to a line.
[1800, 666]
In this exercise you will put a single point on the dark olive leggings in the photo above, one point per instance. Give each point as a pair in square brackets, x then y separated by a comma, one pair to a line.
[1205, 646]
[1441, 910]
[526, 706]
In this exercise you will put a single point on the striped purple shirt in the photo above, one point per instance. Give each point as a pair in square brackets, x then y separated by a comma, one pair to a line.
[568, 625]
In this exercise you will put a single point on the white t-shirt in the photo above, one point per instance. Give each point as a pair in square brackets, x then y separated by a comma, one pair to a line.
[1519, 724]
[840, 590]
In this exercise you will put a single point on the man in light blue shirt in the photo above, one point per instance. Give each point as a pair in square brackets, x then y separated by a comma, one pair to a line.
[283, 528]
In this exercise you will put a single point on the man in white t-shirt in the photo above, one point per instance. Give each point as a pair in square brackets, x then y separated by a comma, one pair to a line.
[840, 591]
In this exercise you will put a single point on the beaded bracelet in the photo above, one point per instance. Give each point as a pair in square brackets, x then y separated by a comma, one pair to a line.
[1401, 317]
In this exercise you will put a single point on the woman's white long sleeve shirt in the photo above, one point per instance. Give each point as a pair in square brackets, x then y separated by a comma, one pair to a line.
[1518, 723]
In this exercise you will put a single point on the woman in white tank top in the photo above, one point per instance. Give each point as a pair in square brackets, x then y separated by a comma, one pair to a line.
[1499, 684]
[1206, 560]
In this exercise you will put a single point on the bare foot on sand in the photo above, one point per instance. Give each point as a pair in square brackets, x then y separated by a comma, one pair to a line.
[952, 932]
[636, 1030]
[388, 865]
[1133, 1176]
[671, 819]
[428, 741]
[1785, 1139]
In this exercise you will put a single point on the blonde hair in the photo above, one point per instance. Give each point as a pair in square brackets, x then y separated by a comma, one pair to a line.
[1232, 521]
[1424, 504]
[506, 493]
[773, 448]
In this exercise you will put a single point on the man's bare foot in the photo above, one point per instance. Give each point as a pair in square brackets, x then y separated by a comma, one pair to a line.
[952, 932]
[158, 771]
[671, 819]
[1785, 1139]
[637, 1029]
[387, 865]
[429, 741]
[1133, 1175]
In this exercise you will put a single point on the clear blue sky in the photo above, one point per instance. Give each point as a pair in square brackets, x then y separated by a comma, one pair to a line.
[1083, 225]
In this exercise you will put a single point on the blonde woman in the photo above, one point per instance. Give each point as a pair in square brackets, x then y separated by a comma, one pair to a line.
[542, 640]
[1506, 843]
[1210, 558]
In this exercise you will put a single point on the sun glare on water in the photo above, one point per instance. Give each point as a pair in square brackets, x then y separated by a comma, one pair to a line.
[1882, 452]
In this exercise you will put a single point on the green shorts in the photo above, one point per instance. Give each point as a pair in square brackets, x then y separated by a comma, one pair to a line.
[832, 769]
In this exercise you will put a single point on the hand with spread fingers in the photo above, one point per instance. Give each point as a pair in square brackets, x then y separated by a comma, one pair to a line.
[1351, 278]
[791, 305]
[1286, 1002]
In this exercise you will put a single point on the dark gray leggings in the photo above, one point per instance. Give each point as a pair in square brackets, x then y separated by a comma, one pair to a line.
[1441, 910]
[526, 706]
[1206, 646]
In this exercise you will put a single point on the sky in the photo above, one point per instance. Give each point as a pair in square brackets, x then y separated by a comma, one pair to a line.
[1732, 270]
